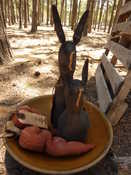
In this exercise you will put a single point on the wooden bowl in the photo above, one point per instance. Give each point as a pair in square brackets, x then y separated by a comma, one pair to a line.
[100, 134]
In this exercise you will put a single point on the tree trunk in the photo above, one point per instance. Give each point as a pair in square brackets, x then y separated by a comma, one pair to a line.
[25, 13]
[48, 8]
[106, 17]
[117, 12]
[94, 13]
[34, 16]
[101, 11]
[97, 12]
[42, 10]
[62, 9]
[20, 14]
[74, 14]
[90, 19]
[9, 12]
[5, 53]
[28, 11]
[65, 13]
[51, 18]
[39, 12]
[70, 15]
[79, 11]
[2, 12]
[5, 11]
[12, 12]
[16, 10]
[112, 14]
[86, 25]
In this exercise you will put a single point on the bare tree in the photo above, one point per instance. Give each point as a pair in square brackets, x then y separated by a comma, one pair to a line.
[96, 14]
[20, 14]
[86, 25]
[12, 12]
[25, 13]
[61, 12]
[65, 13]
[5, 53]
[34, 16]
[101, 11]
[2, 11]
[9, 12]
[16, 4]
[74, 14]
[90, 18]
[70, 14]
[79, 10]
[28, 11]
[117, 12]
[106, 16]
[112, 14]
[48, 8]
[51, 19]
[42, 10]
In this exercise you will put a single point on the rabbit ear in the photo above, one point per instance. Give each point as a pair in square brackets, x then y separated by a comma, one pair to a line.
[58, 26]
[85, 72]
[80, 27]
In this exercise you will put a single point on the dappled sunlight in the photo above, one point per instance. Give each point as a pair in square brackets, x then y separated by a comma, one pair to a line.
[25, 89]
[39, 53]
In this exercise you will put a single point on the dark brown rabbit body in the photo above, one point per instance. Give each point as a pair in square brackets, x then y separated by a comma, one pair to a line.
[58, 103]
[73, 123]
[67, 63]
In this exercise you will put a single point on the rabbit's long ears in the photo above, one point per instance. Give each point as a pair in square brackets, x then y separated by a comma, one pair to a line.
[58, 26]
[80, 27]
[85, 72]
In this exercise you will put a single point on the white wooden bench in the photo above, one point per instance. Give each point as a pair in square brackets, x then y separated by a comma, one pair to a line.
[112, 89]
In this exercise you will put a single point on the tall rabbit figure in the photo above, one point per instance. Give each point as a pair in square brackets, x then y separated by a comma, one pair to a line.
[66, 61]
[73, 123]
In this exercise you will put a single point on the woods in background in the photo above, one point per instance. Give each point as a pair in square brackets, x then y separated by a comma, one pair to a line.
[5, 53]
[102, 13]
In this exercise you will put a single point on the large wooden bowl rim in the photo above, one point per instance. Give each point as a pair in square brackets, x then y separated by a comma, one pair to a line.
[85, 167]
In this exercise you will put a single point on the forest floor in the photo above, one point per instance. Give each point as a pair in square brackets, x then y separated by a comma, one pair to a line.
[38, 52]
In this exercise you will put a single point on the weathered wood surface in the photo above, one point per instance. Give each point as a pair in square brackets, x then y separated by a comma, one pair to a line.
[104, 97]
[123, 27]
[114, 78]
[119, 106]
[122, 53]
[125, 159]
[125, 9]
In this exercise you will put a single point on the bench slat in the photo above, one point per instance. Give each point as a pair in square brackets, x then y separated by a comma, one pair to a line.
[119, 105]
[125, 9]
[114, 78]
[104, 97]
[122, 53]
[123, 27]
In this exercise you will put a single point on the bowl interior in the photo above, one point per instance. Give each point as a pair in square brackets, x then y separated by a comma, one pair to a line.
[100, 134]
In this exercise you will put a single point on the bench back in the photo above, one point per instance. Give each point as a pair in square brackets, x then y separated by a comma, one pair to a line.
[112, 89]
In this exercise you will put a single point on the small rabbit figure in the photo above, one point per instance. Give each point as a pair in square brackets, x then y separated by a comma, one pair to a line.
[67, 63]
[59, 92]
[82, 83]
[73, 123]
